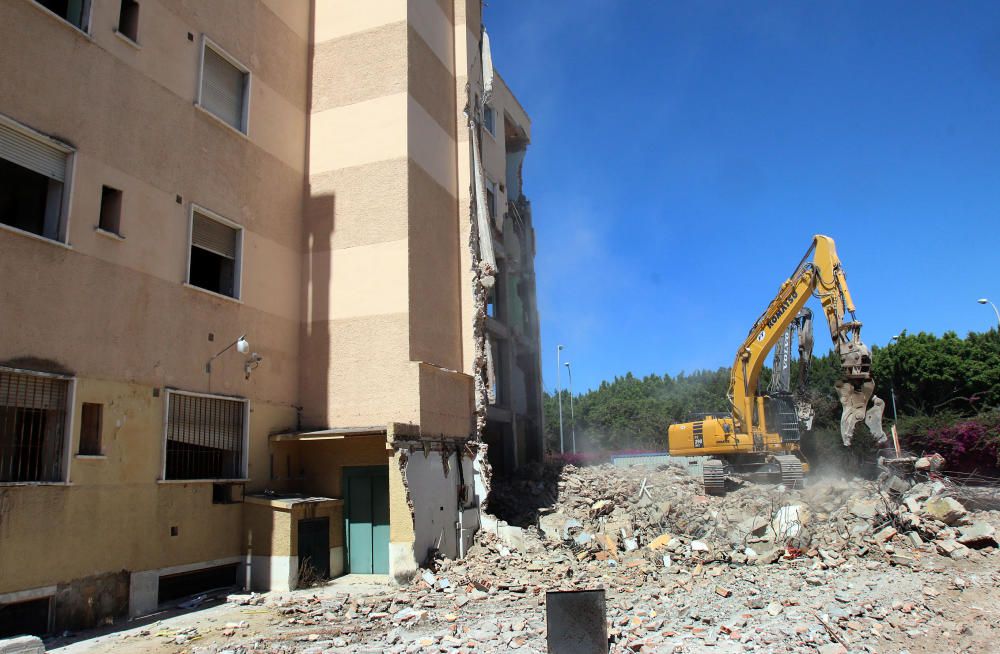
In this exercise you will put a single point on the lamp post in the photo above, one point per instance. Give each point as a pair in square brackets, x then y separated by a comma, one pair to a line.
[892, 391]
[892, 385]
[572, 416]
[559, 350]
[984, 300]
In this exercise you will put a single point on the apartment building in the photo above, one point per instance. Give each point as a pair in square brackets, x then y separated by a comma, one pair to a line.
[267, 299]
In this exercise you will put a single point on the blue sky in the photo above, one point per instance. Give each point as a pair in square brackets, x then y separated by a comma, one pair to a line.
[684, 153]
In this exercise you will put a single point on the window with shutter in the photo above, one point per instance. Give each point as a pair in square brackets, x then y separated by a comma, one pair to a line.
[224, 88]
[204, 437]
[33, 173]
[215, 255]
[33, 411]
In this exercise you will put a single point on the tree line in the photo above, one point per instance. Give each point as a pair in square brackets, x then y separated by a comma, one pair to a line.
[947, 393]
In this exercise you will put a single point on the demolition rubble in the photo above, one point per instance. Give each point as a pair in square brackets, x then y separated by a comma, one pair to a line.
[839, 566]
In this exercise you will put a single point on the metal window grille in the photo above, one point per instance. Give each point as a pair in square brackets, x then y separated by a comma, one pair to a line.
[204, 437]
[32, 426]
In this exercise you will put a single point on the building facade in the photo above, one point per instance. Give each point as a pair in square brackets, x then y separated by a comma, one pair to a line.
[247, 333]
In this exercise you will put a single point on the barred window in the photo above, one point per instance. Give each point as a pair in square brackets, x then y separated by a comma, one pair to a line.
[33, 412]
[205, 437]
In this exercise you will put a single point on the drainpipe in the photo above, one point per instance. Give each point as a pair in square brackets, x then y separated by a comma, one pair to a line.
[249, 557]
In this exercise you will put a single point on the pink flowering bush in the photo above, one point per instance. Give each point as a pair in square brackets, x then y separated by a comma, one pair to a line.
[969, 444]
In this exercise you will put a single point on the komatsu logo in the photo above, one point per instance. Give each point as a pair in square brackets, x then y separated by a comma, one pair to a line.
[782, 309]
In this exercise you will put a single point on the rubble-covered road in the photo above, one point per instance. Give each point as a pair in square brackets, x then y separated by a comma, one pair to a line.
[839, 566]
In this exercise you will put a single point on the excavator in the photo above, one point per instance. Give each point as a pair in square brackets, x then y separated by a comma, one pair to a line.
[762, 434]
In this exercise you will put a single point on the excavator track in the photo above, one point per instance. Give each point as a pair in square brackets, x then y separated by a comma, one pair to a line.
[713, 476]
[791, 470]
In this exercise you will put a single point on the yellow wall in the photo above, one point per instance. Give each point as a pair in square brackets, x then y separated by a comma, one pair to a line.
[114, 514]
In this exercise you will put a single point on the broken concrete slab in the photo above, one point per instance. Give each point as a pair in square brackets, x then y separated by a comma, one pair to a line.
[946, 509]
[556, 526]
[952, 549]
[977, 535]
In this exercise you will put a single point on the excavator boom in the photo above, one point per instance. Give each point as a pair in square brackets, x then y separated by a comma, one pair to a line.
[819, 273]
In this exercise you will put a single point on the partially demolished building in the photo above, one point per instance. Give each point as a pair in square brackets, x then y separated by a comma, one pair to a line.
[267, 298]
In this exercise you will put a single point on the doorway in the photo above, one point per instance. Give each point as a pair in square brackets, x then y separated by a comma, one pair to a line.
[366, 519]
[314, 549]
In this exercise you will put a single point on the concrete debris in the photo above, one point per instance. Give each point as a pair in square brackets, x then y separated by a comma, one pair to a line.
[762, 569]
[946, 509]
[977, 535]
[22, 645]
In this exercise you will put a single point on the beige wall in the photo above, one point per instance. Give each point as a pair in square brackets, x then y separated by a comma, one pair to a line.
[141, 133]
[380, 279]
[352, 187]
[116, 314]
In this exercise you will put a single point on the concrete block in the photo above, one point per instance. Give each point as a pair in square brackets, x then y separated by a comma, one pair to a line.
[144, 590]
[22, 645]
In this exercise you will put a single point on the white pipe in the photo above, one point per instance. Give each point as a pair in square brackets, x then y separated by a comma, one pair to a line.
[249, 557]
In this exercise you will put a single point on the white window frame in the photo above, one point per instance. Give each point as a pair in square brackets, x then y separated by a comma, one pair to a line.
[215, 47]
[237, 274]
[492, 132]
[68, 428]
[244, 455]
[67, 195]
[88, 16]
[491, 185]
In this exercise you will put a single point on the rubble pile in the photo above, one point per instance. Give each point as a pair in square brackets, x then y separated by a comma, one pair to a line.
[840, 566]
[661, 517]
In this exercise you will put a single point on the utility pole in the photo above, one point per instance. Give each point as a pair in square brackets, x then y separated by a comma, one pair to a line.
[572, 416]
[559, 350]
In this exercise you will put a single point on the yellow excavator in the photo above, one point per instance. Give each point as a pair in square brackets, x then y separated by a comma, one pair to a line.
[763, 432]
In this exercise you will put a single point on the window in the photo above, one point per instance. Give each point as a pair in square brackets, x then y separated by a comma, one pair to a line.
[128, 20]
[205, 437]
[111, 210]
[91, 418]
[75, 12]
[490, 119]
[216, 247]
[491, 198]
[225, 87]
[33, 174]
[33, 412]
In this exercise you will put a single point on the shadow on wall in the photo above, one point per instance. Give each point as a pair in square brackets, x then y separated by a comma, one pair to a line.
[315, 341]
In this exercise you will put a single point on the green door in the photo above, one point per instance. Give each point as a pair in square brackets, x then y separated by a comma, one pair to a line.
[366, 496]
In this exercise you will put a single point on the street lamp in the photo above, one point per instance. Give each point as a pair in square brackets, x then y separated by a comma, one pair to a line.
[559, 350]
[984, 300]
[892, 384]
[892, 390]
[572, 416]
[241, 346]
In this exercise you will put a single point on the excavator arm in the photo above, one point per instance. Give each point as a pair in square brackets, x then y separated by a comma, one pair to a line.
[819, 273]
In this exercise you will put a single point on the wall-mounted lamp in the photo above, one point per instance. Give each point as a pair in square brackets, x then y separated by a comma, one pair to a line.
[241, 345]
[252, 363]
